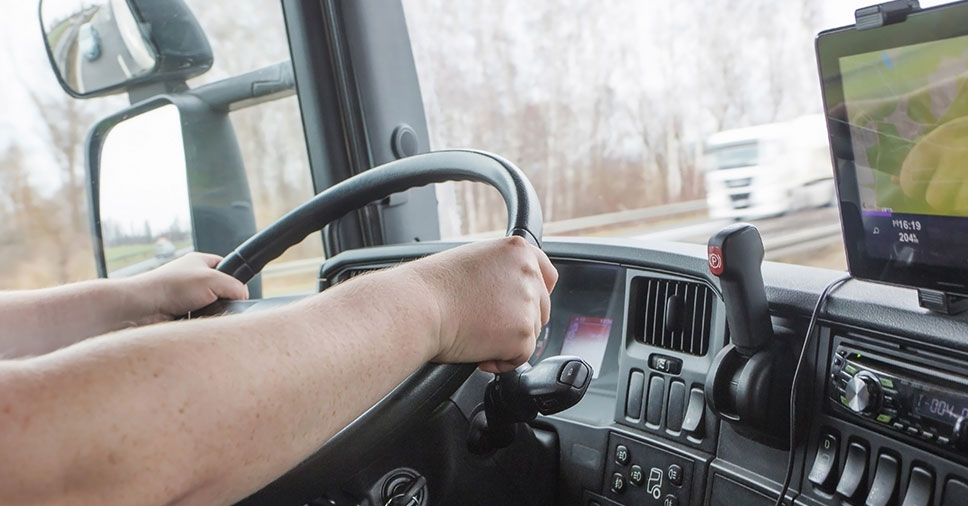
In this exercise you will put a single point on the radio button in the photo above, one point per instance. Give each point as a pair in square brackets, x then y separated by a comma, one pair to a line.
[884, 418]
[943, 440]
[914, 431]
[927, 435]
[851, 368]
[887, 383]
[863, 393]
[898, 425]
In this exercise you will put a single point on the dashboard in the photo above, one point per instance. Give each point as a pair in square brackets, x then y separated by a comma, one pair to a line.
[650, 319]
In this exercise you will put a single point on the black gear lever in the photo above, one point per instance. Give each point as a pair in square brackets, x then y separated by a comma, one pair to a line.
[736, 256]
[516, 397]
[749, 381]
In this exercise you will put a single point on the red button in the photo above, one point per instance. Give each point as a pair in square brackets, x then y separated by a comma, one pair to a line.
[716, 260]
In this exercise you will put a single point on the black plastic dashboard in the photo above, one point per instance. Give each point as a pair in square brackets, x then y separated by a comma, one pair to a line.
[649, 316]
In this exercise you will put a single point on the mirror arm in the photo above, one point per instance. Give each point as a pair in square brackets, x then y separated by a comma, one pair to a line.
[139, 93]
[252, 88]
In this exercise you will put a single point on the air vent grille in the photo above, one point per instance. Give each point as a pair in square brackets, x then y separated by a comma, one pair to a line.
[673, 315]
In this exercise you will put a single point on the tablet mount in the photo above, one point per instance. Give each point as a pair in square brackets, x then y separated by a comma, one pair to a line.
[886, 13]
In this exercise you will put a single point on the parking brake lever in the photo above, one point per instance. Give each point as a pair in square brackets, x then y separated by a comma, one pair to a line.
[516, 397]
[736, 257]
[748, 384]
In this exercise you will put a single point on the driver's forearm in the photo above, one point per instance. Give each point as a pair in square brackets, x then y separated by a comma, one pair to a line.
[207, 411]
[34, 322]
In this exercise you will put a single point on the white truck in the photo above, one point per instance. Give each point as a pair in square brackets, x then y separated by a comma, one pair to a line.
[768, 170]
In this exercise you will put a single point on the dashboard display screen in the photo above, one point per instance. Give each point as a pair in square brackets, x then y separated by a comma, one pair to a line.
[897, 108]
[587, 337]
[941, 406]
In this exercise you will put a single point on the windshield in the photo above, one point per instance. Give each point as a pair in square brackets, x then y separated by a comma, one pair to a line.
[634, 119]
[731, 156]
[639, 120]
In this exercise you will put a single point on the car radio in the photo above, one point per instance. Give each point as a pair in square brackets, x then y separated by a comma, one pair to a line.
[926, 404]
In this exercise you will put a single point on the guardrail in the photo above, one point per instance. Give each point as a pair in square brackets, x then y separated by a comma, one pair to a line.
[561, 227]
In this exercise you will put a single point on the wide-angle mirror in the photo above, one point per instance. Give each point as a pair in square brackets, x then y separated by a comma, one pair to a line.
[143, 193]
[95, 45]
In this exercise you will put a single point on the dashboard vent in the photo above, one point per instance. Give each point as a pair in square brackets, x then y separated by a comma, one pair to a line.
[673, 315]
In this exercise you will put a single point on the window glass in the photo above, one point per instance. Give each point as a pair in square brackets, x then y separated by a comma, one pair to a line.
[662, 120]
[44, 232]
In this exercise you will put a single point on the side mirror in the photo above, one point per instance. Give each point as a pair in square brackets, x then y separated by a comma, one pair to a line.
[165, 177]
[144, 210]
[102, 47]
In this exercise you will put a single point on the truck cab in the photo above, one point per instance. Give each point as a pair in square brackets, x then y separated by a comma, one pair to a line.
[311, 142]
[768, 170]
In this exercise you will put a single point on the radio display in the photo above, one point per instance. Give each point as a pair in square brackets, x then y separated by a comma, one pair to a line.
[941, 406]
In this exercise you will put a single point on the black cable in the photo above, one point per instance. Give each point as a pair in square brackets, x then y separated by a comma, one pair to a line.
[796, 379]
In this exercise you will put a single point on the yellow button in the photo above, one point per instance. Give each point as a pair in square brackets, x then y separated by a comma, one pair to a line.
[884, 418]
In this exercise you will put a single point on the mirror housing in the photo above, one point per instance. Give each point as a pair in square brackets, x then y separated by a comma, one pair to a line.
[219, 201]
[112, 46]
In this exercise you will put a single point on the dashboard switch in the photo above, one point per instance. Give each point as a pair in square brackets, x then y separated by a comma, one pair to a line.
[675, 475]
[573, 374]
[618, 483]
[884, 489]
[692, 423]
[677, 400]
[955, 493]
[633, 405]
[621, 455]
[636, 477]
[822, 472]
[920, 488]
[653, 411]
[855, 472]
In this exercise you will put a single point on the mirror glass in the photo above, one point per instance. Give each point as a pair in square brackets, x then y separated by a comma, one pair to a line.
[143, 189]
[95, 44]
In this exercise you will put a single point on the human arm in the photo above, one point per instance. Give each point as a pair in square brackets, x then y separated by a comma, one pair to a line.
[208, 411]
[35, 322]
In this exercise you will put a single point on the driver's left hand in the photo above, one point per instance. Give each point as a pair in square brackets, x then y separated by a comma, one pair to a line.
[186, 284]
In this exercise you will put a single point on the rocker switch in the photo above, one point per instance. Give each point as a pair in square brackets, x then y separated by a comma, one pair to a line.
[884, 489]
[920, 488]
[692, 422]
[855, 472]
[822, 472]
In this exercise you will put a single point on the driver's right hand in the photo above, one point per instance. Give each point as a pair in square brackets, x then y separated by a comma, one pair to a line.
[493, 298]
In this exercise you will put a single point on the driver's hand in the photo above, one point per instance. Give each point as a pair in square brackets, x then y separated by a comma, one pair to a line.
[185, 284]
[493, 297]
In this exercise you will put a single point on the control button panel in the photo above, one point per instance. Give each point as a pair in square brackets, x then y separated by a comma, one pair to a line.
[646, 475]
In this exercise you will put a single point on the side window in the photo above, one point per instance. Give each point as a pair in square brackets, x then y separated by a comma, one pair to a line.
[270, 134]
[44, 234]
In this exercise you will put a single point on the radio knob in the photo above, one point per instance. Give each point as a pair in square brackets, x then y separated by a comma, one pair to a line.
[863, 393]
[960, 434]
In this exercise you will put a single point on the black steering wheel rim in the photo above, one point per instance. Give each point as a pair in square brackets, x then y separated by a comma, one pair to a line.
[418, 395]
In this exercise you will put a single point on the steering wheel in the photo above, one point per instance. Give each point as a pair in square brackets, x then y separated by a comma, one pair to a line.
[417, 396]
